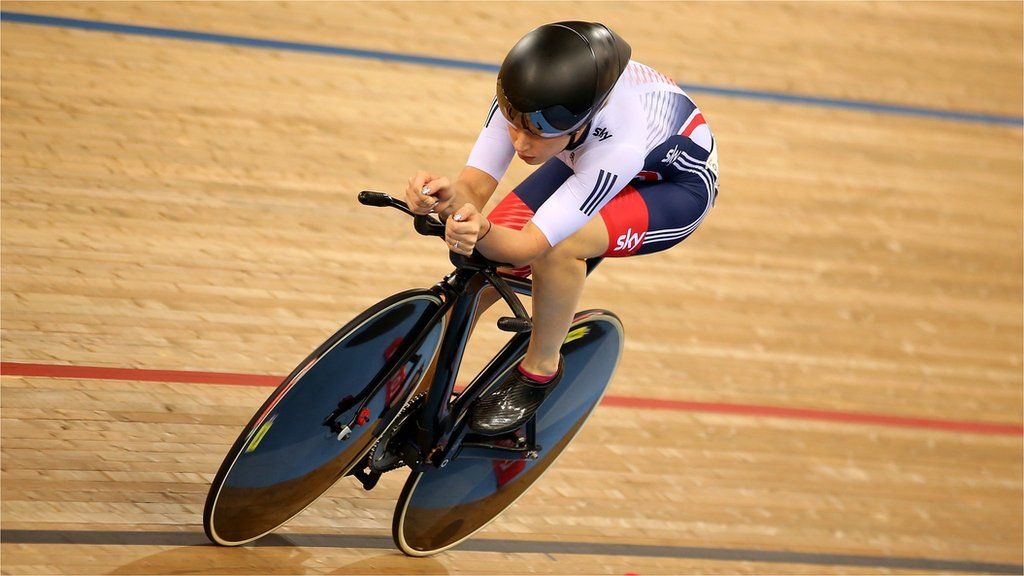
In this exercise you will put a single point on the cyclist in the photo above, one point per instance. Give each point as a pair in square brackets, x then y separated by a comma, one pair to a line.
[613, 138]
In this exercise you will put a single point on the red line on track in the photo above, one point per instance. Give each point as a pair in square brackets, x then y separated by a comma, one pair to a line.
[141, 375]
[815, 414]
[136, 374]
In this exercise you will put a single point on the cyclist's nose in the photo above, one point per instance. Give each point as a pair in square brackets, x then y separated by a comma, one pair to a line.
[521, 141]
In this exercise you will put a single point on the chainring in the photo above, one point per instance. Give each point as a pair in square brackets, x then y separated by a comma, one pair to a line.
[386, 454]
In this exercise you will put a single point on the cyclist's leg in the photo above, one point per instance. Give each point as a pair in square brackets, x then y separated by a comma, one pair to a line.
[560, 272]
[662, 215]
[558, 277]
[641, 219]
[644, 217]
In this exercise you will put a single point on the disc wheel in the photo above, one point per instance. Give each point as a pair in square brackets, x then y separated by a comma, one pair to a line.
[440, 507]
[291, 451]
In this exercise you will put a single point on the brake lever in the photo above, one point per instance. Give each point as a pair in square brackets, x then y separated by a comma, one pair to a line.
[428, 226]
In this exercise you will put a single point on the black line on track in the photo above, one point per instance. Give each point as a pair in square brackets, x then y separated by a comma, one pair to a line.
[172, 538]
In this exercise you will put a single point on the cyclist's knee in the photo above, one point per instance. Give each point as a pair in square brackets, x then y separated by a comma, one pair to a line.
[565, 252]
[587, 242]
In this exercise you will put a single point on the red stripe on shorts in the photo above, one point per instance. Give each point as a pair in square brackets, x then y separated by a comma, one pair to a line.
[626, 219]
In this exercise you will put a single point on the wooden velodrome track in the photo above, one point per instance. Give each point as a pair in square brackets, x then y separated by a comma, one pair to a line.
[826, 378]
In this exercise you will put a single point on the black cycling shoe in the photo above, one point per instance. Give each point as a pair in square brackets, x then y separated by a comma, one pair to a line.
[511, 404]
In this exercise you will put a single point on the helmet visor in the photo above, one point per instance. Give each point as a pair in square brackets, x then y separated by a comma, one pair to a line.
[550, 122]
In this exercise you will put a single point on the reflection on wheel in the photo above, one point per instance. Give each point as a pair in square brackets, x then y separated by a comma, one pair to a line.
[441, 507]
[322, 419]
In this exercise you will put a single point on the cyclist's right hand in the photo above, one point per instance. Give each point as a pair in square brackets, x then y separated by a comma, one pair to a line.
[428, 193]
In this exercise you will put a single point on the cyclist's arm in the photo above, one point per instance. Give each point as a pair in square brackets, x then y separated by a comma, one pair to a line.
[515, 247]
[598, 177]
[473, 186]
[487, 163]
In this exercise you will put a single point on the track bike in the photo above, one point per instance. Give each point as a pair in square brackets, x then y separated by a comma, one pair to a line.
[379, 396]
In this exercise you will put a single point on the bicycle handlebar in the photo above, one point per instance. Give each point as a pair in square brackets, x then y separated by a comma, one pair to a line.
[371, 198]
[425, 225]
[431, 226]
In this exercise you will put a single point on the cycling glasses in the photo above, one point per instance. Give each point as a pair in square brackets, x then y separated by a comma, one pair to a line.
[550, 122]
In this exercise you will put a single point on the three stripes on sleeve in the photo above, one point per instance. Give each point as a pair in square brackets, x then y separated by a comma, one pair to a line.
[605, 184]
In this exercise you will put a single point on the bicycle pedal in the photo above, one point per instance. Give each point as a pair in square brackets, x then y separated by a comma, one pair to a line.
[368, 479]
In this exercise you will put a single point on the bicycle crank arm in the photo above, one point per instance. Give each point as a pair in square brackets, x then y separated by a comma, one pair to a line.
[367, 477]
[516, 445]
[486, 451]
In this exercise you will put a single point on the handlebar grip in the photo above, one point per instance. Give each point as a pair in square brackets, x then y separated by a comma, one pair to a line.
[374, 198]
[515, 324]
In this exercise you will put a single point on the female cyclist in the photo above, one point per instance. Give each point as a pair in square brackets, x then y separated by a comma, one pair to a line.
[612, 138]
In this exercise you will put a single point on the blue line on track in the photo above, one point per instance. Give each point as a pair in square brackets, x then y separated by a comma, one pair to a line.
[878, 107]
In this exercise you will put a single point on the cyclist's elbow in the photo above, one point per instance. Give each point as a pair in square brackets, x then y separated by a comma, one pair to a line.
[521, 262]
[514, 258]
[528, 252]
[515, 247]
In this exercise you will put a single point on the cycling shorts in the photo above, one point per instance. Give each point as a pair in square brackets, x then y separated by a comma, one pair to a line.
[648, 215]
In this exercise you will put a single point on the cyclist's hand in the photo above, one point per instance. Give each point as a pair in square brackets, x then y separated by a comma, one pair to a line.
[463, 228]
[428, 193]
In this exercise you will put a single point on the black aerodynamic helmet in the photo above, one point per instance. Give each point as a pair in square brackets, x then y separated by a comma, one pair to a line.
[557, 77]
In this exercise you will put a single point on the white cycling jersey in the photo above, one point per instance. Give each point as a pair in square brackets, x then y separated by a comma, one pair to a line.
[644, 110]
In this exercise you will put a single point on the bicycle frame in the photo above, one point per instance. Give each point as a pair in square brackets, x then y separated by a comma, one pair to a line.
[439, 434]
[435, 424]
[387, 379]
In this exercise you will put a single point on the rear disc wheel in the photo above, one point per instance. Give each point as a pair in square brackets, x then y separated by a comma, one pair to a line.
[441, 507]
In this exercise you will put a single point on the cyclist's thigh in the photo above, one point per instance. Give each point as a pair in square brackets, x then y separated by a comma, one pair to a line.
[648, 217]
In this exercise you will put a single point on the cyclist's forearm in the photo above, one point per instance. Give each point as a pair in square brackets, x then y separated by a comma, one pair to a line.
[473, 186]
[516, 247]
[465, 192]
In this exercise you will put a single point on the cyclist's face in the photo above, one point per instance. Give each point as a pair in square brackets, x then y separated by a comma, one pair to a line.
[533, 149]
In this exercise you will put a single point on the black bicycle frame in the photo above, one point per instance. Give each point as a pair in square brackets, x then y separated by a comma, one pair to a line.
[436, 436]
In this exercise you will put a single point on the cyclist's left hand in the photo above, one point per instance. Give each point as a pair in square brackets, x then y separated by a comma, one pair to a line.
[463, 228]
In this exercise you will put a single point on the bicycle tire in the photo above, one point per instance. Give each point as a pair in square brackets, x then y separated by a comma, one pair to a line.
[264, 480]
[435, 511]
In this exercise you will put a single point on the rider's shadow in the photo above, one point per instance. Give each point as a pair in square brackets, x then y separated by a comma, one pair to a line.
[393, 563]
[278, 554]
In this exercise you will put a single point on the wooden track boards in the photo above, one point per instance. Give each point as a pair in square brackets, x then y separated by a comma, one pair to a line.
[179, 205]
